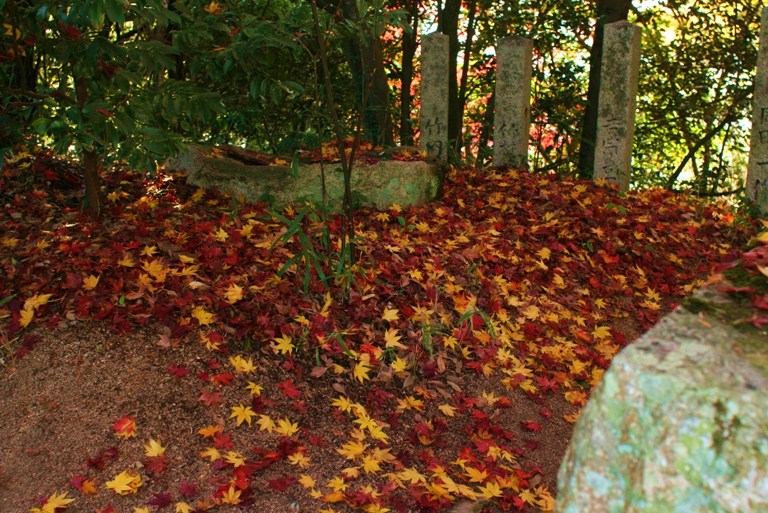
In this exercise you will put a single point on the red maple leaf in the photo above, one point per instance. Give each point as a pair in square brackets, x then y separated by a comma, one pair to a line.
[156, 464]
[530, 425]
[281, 483]
[102, 458]
[188, 489]
[289, 389]
[211, 399]
[177, 371]
[160, 500]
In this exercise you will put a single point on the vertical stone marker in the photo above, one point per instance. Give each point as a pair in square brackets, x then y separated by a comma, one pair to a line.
[757, 170]
[433, 121]
[513, 102]
[616, 108]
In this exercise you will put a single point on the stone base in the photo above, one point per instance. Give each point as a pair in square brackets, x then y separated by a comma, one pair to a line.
[378, 185]
[679, 422]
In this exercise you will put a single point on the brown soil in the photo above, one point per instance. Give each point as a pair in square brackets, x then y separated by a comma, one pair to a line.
[58, 403]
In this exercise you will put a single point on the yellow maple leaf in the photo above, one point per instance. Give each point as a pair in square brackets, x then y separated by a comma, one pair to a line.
[447, 409]
[399, 365]
[411, 475]
[90, 282]
[220, 234]
[156, 268]
[342, 403]
[25, 317]
[234, 458]
[125, 483]
[286, 428]
[211, 453]
[489, 491]
[299, 459]
[232, 495]
[475, 475]
[242, 365]
[242, 414]
[532, 312]
[390, 314]
[183, 507]
[544, 253]
[36, 301]
[153, 448]
[306, 481]
[233, 294]
[352, 449]
[254, 388]
[266, 423]
[371, 465]
[601, 332]
[137, 509]
[202, 316]
[284, 345]
[362, 368]
[55, 502]
[392, 339]
[337, 484]
[209, 431]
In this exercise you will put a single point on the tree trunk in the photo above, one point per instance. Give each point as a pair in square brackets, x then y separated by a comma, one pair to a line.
[406, 79]
[94, 200]
[371, 88]
[448, 24]
[462, 93]
[608, 11]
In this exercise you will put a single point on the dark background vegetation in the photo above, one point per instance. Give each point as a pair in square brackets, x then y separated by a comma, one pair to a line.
[109, 79]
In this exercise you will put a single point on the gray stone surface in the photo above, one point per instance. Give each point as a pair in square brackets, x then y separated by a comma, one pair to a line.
[378, 185]
[757, 170]
[616, 107]
[513, 102]
[433, 117]
[678, 423]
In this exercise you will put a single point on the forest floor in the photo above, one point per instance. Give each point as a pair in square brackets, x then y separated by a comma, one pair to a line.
[155, 359]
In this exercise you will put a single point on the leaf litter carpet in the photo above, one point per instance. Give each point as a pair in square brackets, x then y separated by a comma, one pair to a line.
[155, 361]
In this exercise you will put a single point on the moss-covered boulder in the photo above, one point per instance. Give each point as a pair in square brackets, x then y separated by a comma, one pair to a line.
[678, 423]
[380, 184]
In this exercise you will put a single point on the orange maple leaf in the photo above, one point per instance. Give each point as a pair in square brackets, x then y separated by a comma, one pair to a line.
[125, 426]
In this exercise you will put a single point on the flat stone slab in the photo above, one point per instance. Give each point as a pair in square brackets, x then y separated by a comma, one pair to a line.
[379, 185]
[679, 422]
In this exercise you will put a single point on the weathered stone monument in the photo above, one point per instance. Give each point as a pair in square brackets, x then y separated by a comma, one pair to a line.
[616, 107]
[757, 171]
[678, 422]
[513, 102]
[433, 120]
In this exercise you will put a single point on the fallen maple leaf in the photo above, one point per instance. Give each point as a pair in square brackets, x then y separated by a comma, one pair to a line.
[125, 483]
[125, 427]
[242, 414]
[203, 317]
[55, 502]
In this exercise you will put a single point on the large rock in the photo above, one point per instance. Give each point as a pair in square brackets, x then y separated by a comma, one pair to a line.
[679, 422]
[379, 185]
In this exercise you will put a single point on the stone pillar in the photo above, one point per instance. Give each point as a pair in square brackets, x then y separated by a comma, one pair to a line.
[616, 107]
[757, 171]
[513, 102]
[433, 119]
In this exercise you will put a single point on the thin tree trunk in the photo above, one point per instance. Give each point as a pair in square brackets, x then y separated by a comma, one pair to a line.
[94, 200]
[406, 99]
[608, 11]
[448, 24]
[462, 94]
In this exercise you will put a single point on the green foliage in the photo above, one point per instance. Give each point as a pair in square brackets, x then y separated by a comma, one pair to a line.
[697, 68]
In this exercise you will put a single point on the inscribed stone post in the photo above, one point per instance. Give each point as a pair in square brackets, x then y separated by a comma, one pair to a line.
[513, 102]
[757, 171]
[616, 107]
[433, 121]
